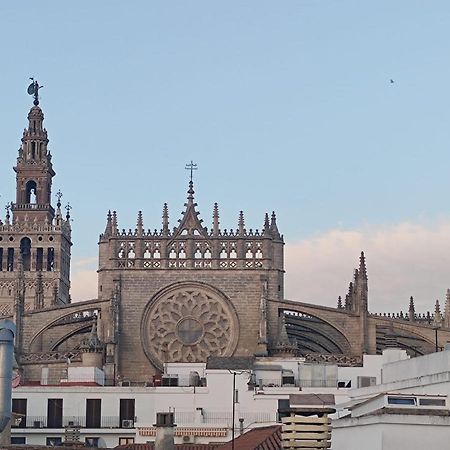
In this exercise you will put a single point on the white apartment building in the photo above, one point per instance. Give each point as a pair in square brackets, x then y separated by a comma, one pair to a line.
[201, 395]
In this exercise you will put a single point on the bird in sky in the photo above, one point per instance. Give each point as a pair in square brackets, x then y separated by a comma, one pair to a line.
[392, 81]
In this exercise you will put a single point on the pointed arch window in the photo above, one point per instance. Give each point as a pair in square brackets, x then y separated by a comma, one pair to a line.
[25, 253]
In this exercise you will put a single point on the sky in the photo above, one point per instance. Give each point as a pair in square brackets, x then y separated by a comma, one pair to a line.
[285, 106]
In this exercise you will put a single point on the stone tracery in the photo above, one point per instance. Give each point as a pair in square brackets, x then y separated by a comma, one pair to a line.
[189, 323]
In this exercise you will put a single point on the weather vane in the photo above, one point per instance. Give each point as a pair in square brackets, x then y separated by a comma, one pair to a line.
[191, 166]
[33, 89]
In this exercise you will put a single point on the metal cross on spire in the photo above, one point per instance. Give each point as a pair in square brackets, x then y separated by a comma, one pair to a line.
[191, 166]
[58, 196]
[68, 208]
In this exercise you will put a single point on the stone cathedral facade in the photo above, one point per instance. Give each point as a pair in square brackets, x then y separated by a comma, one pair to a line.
[178, 293]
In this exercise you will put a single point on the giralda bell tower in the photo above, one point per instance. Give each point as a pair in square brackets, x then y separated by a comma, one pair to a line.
[35, 242]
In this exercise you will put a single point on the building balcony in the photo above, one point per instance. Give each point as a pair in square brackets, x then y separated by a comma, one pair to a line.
[36, 422]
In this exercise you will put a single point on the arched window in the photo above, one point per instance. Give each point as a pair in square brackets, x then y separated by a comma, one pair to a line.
[31, 192]
[25, 253]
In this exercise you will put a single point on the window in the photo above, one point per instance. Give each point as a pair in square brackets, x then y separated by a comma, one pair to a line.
[19, 408]
[31, 192]
[126, 412]
[18, 440]
[50, 259]
[10, 261]
[93, 412]
[401, 401]
[39, 258]
[54, 412]
[432, 402]
[91, 441]
[53, 441]
[25, 253]
[126, 440]
[1, 259]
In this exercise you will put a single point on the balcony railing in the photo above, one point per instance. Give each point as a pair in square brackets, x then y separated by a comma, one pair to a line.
[277, 382]
[71, 421]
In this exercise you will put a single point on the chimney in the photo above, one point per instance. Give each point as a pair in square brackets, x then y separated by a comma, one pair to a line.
[165, 431]
[7, 331]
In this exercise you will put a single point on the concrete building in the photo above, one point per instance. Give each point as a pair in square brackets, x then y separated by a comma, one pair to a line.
[199, 394]
[408, 409]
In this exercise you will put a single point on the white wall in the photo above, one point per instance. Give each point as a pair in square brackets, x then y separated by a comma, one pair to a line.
[388, 432]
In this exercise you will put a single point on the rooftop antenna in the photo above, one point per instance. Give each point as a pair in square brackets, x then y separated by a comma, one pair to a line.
[33, 89]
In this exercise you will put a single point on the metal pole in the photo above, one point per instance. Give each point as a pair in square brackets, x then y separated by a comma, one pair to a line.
[436, 338]
[7, 331]
[234, 410]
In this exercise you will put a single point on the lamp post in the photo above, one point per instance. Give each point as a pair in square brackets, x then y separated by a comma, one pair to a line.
[233, 414]
[436, 338]
[234, 411]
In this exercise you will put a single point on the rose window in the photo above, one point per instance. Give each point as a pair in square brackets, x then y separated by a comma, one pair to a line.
[188, 324]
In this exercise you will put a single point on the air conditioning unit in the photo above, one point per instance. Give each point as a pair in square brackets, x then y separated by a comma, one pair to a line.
[127, 423]
[366, 381]
[188, 439]
[38, 424]
[125, 383]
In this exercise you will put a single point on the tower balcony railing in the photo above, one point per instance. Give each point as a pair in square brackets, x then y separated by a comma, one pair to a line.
[32, 207]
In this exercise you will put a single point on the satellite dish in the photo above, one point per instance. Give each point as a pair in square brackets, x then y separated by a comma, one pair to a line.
[31, 89]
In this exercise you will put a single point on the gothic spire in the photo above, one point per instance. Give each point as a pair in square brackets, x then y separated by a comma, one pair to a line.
[362, 266]
[190, 223]
[216, 220]
[266, 224]
[114, 223]
[273, 226]
[447, 309]
[412, 310]
[437, 313]
[241, 224]
[165, 218]
[108, 228]
[339, 302]
[139, 224]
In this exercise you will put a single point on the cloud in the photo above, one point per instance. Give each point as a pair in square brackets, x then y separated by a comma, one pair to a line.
[402, 260]
[84, 279]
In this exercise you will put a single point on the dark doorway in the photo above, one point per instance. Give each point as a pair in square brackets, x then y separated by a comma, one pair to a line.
[93, 412]
[54, 412]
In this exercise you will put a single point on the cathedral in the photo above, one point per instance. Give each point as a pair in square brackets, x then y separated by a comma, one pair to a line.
[175, 294]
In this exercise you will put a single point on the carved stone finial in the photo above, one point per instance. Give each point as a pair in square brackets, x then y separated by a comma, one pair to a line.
[216, 220]
[412, 310]
[266, 224]
[241, 224]
[139, 224]
[362, 266]
[114, 223]
[165, 218]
